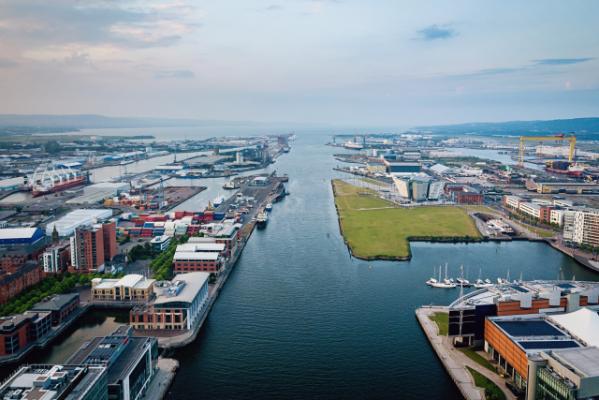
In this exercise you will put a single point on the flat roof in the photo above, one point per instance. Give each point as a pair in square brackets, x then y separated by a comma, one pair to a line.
[194, 281]
[196, 255]
[195, 247]
[529, 328]
[584, 360]
[548, 344]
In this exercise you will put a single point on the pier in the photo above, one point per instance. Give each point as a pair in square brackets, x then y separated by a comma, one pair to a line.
[454, 361]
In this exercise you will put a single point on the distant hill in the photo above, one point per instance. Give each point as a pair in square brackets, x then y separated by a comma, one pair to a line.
[587, 128]
[25, 124]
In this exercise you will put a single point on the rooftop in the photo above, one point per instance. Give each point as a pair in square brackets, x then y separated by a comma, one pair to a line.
[56, 302]
[49, 382]
[534, 289]
[135, 281]
[585, 360]
[583, 324]
[534, 333]
[196, 255]
[191, 283]
[17, 233]
[194, 247]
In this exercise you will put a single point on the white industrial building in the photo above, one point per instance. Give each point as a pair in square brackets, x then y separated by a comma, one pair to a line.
[66, 225]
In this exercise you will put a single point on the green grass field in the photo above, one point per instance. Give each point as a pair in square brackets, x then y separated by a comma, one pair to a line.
[376, 228]
[474, 356]
[442, 321]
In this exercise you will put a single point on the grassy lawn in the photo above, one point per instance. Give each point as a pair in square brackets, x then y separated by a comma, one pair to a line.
[492, 392]
[374, 227]
[442, 321]
[375, 182]
[474, 356]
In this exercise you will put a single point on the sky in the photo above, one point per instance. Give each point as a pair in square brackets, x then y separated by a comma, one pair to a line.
[349, 62]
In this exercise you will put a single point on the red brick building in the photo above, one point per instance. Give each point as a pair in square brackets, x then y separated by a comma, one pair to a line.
[468, 198]
[17, 332]
[92, 246]
[109, 236]
[11, 284]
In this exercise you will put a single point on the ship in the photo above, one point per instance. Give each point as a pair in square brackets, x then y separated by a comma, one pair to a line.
[268, 207]
[218, 201]
[353, 145]
[231, 185]
[261, 220]
[565, 167]
[51, 179]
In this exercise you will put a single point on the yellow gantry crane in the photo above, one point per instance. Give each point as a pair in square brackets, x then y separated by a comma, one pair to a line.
[560, 137]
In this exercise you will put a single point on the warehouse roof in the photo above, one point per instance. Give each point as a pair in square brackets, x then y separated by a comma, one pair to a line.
[17, 233]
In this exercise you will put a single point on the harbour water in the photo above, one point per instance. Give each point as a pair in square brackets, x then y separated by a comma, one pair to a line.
[299, 318]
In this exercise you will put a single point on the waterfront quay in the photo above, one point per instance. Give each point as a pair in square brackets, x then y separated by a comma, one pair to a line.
[262, 189]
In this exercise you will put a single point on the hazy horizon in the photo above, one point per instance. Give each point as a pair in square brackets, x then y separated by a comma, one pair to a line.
[334, 62]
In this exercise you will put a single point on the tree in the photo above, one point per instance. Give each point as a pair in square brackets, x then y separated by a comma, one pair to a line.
[52, 147]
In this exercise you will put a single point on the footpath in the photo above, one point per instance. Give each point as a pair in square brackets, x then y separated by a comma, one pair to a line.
[455, 362]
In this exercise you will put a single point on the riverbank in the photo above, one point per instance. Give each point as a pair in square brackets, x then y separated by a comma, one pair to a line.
[376, 229]
[455, 362]
[263, 195]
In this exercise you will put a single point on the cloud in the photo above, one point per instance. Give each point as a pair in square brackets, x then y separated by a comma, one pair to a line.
[174, 74]
[31, 23]
[562, 61]
[436, 32]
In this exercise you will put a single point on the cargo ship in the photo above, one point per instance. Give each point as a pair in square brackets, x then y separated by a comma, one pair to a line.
[564, 167]
[51, 179]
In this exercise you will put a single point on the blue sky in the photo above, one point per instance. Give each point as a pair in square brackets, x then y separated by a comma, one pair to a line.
[324, 61]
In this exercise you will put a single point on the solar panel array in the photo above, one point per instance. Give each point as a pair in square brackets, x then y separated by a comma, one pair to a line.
[529, 328]
[548, 344]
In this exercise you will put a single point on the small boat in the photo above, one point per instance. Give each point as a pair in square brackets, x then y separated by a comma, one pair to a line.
[442, 284]
[218, 201]
[479, 284]
[502, 281]
[463, 282]
[432, 279]
[231, 185]
[261, 219]
[268, 207]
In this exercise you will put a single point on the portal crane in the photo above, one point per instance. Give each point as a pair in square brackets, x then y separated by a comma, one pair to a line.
[559, 137]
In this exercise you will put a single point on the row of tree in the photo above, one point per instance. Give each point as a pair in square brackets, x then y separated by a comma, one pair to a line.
[56, 284]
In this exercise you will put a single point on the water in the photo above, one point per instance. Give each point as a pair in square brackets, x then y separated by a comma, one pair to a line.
[90, 325]
[298, 318]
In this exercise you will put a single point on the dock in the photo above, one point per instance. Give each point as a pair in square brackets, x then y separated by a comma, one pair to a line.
[454, 361]
[161, 382]
[263, 195]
